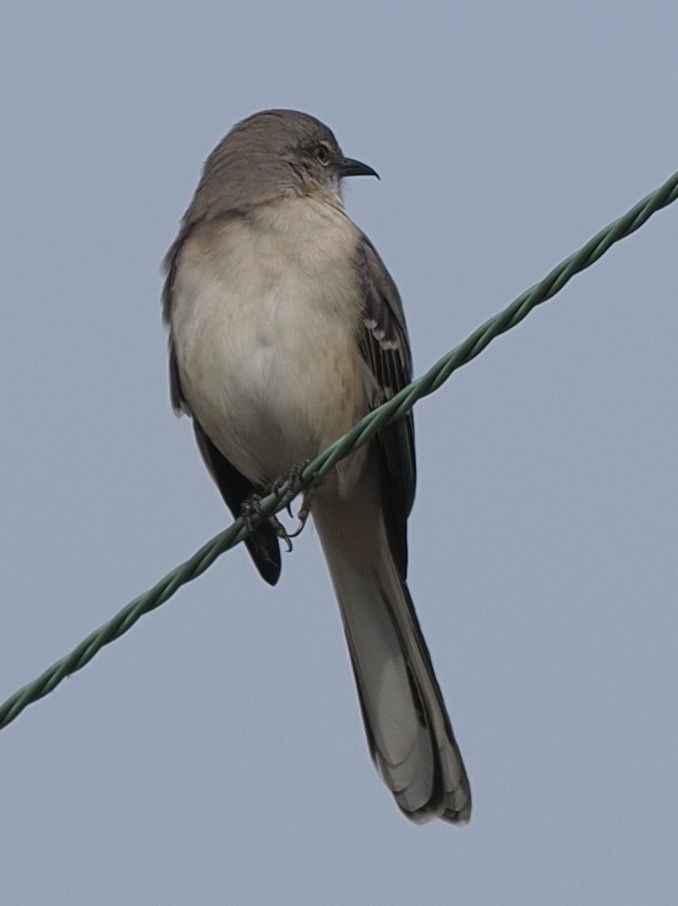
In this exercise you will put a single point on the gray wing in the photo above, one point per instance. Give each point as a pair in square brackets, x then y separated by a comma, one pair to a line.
[385, 347]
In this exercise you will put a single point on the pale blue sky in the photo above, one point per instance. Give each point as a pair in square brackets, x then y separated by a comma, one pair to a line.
[216, 753]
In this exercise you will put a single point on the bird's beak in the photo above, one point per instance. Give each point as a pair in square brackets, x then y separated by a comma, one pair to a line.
[350, 167]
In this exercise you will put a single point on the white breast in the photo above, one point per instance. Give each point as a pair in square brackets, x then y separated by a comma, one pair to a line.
[263, 320]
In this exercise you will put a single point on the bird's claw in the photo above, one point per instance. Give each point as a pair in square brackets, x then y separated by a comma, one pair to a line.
[302, 515]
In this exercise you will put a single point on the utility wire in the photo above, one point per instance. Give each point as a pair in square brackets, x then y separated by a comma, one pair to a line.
[394, 408]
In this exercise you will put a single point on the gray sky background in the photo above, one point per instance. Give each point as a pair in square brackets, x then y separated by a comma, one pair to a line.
[216, 754]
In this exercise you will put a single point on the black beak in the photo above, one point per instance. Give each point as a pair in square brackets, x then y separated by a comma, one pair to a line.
[350, 167]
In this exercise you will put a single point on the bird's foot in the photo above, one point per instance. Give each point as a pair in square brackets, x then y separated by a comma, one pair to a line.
[285, 487]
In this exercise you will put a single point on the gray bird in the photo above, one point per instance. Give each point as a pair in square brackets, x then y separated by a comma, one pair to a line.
[285, 329]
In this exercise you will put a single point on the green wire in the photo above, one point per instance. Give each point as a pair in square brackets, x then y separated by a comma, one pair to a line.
[401, 403]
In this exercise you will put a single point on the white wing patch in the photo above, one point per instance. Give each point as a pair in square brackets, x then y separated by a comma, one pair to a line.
[379, 335]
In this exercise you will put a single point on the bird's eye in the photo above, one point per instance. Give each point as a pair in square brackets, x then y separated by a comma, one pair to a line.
[323, 154]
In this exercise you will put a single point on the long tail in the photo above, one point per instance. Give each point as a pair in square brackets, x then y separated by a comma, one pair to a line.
[408, 730]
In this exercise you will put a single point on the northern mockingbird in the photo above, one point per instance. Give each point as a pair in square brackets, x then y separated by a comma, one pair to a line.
[286, 328]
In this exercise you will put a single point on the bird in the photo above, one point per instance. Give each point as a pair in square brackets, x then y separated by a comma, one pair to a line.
[285, 328]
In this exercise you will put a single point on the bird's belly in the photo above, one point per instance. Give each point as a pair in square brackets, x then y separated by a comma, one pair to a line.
[271, 378]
